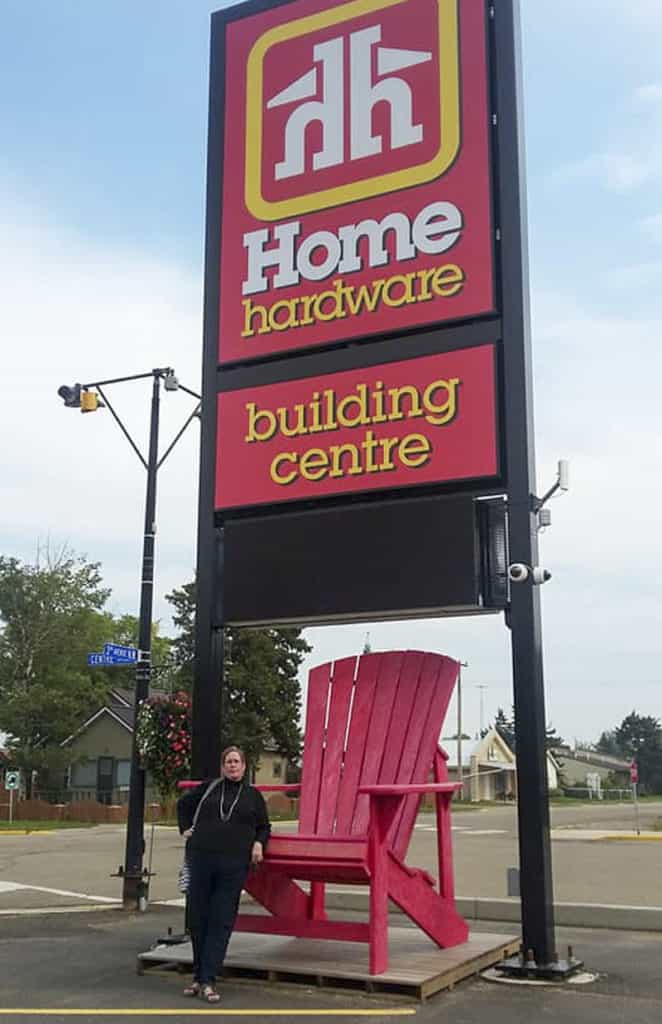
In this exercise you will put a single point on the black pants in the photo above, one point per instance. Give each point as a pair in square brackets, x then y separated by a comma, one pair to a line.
[213, 901]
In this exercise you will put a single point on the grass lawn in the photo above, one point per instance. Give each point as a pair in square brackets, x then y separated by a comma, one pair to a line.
[41, 826]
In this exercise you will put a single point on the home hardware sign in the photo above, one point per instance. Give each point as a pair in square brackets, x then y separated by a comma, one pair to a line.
[359, 200]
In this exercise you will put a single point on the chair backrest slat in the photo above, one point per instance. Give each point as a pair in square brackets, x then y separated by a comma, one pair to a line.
[375, 719]
[406, 706]
[318, 692]
[440, 676]
[357, 740]
[334, 746]
[380, 720]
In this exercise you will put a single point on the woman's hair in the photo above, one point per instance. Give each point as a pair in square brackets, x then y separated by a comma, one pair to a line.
[233, 750]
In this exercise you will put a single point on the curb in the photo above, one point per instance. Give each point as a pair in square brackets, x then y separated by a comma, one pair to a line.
[576, 915]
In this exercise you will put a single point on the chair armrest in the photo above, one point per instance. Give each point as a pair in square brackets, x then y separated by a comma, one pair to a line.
[407, 790]
[285, 788]
[191, 783]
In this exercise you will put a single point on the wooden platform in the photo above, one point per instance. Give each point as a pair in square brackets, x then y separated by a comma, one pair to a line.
[418, 968]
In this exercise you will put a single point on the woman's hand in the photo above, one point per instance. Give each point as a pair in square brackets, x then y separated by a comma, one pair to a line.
[257, 853]
[188, 833]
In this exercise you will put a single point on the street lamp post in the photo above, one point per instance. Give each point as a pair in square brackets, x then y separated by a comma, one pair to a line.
[135, 884]
[135, 878]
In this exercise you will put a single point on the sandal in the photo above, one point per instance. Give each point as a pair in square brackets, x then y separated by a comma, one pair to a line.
[193, 989]
[209, 994]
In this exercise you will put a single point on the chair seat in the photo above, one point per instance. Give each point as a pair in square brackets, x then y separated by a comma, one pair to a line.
[323, 858]
[318, 846]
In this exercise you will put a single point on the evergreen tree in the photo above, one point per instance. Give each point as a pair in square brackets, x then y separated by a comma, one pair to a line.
[552, 738]
[639, 737]
[505, 727]
[262, 695]
[608, 744]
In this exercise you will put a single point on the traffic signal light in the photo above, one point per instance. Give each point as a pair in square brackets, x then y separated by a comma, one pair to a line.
[70, 395]
[89, 401]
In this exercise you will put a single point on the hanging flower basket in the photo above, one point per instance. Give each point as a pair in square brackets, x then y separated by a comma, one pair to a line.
[163, 735]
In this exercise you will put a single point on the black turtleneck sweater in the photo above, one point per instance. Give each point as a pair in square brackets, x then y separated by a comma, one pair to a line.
[233, 839]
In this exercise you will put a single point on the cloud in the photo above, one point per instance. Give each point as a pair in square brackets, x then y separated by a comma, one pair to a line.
[632, 154]
[651, 93]
[617, 171]
[652, 226]
[596, 404]
[74, 309]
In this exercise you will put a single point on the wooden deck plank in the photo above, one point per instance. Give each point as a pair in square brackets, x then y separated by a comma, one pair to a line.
[417, 965]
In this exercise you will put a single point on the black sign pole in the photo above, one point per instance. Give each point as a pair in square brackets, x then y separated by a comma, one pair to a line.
[206, 725]
[525, 619]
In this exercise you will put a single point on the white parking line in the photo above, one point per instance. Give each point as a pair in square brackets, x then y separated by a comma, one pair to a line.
[14, 886]
[10, 886]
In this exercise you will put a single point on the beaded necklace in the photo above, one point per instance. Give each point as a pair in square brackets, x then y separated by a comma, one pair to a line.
[226, 815]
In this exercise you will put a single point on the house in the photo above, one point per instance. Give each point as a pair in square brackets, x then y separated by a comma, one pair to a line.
[489, 768]
[586, 771]
[100, 765]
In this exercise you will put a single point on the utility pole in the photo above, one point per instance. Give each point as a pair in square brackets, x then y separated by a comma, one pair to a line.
[463, 664]
[482, 687]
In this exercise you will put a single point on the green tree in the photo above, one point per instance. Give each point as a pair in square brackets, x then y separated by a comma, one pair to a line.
[50, 618]
[262, 695]
[640, 737]
[505, 727]
[608, 744]
[124, 630]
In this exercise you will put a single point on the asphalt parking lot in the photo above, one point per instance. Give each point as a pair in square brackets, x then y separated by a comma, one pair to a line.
[74, 866]
[62, 957]
[56, 967]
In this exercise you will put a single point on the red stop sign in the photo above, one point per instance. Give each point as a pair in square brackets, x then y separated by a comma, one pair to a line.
[634, 772]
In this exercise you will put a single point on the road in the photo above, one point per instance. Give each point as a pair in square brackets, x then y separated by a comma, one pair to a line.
[77, 864]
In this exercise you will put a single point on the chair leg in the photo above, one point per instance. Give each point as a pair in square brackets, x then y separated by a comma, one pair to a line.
[381, 817]
[445, 846]
[316, 907]
[378, 928]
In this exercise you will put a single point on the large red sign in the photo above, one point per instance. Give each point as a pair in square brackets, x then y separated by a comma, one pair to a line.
[356, 181]
[401, 424]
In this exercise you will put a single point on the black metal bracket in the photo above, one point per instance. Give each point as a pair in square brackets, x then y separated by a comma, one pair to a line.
[525, 968]
[121, 873]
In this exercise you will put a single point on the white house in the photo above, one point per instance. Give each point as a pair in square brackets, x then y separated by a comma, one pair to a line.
[489, 768]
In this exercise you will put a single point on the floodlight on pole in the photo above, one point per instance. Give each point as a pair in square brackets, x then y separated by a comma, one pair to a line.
[70, 395]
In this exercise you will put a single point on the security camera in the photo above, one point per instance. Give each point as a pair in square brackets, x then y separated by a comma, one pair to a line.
[518, 572]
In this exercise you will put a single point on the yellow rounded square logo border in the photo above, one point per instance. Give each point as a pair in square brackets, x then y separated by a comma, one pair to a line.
[368, 188]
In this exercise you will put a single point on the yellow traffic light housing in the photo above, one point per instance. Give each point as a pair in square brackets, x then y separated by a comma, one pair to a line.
[89, 401]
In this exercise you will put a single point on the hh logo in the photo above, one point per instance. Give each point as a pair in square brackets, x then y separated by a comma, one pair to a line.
[351, 102]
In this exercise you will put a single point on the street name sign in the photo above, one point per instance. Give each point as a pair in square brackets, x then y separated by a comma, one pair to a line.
[121, 653]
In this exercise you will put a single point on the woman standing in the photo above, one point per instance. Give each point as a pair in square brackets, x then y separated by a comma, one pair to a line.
[229, 835]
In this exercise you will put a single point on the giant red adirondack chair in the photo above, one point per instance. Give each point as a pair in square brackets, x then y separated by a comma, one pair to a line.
[371, 740]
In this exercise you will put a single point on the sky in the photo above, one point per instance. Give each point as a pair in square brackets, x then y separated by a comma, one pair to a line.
[103, 112]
